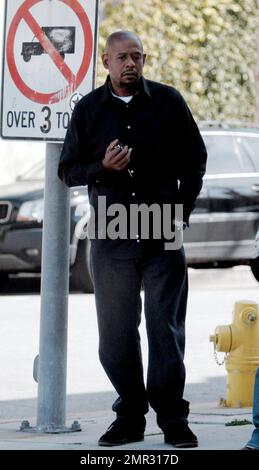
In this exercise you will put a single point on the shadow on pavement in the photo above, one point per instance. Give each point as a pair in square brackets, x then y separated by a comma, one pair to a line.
[99, 403]
[24, 285]
[83, 403]
[21, 285]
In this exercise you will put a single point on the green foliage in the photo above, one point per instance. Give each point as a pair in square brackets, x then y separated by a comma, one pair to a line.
[238, 422]
[204, 48]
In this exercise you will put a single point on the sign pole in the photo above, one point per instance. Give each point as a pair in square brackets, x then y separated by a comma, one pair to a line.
[54, 298]
[51, 369]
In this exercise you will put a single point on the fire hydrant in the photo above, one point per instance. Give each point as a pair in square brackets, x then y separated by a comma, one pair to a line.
[240, 341]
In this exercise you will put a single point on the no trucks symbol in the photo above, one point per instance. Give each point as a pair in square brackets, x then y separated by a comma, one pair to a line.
[56, 41]
[62, 37]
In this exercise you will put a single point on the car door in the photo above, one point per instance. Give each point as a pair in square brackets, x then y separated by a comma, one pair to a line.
[233, 193]
[195, 236]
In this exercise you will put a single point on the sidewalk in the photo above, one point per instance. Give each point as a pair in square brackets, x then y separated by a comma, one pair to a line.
[207, 420]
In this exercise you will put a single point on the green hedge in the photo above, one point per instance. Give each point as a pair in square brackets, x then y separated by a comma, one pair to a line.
[205, 48]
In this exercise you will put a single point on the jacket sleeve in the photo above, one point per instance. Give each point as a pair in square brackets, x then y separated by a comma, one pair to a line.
[74, 166]
[192, 161]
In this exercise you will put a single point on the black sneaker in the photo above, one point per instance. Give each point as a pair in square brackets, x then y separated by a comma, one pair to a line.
[122, 431]
[179, 435]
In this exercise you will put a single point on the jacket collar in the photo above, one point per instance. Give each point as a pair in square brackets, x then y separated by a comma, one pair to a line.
[106, 90]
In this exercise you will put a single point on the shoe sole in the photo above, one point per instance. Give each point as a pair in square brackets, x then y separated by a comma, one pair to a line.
[183, 444]
[119, 443]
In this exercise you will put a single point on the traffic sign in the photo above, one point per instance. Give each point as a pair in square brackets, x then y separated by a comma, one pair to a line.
[48, 65]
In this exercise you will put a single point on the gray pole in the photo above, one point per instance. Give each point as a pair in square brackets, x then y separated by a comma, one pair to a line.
[54, 298]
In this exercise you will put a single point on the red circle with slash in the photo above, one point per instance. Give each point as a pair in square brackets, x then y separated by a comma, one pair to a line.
[74, 80]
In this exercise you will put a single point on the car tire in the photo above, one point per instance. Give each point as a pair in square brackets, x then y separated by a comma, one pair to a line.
[81, 279]
[254, 264]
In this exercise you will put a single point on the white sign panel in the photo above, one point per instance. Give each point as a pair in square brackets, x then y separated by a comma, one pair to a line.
[49, 64]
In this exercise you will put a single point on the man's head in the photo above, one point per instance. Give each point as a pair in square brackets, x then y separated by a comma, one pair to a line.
[124, 59]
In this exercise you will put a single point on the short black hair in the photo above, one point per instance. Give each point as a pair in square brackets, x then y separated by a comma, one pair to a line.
[120, 35]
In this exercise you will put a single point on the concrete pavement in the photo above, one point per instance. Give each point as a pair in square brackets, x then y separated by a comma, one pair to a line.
[89, 393]
[207, 421]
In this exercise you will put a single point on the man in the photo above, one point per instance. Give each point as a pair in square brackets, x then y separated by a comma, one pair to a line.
[134, 141]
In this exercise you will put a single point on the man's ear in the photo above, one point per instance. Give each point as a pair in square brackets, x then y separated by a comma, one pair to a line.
[144, 58]
[105, 60]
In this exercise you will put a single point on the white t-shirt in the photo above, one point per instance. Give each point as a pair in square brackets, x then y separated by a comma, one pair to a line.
[126, 99]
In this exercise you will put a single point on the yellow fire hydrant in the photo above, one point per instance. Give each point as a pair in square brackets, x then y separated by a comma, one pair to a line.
[240, 341]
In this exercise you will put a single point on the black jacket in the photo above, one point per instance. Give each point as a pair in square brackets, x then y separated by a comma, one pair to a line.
[168, 157]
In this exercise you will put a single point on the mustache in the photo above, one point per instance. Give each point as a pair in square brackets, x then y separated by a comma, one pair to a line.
[129, 72]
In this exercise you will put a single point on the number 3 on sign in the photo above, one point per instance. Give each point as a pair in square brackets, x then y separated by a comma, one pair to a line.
[45, 128]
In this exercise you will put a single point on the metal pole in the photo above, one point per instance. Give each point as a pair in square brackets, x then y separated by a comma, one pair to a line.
[54, 298]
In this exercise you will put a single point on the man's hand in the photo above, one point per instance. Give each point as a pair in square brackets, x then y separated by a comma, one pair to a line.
[115, 158]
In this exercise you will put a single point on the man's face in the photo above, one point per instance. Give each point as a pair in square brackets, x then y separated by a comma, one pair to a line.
[125, 61]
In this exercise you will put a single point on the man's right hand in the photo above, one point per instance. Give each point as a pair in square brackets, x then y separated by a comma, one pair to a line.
[116, 159]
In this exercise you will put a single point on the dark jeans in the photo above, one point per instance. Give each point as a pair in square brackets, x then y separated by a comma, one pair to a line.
[254, 441]
[117, 284]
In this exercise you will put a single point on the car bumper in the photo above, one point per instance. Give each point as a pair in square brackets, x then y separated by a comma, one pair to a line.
[20, 250]
[202, 252]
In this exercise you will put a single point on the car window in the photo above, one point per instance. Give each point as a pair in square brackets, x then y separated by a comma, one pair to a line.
[223, 154]
[249, 147]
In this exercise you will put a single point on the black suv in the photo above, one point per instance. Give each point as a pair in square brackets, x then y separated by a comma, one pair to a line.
[222, 229]
[21, 214]
[225, 221]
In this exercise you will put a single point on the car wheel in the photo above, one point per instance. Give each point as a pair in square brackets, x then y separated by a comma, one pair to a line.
[80, 273]
[254, 264]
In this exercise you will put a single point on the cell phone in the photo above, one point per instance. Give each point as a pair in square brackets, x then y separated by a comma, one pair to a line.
[119, 146]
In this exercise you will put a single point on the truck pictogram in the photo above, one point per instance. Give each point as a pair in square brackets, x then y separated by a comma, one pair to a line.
[62, 38]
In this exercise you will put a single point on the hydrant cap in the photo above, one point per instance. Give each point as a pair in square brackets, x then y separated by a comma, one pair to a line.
[223, 338]
[245, 312]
